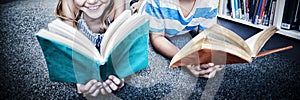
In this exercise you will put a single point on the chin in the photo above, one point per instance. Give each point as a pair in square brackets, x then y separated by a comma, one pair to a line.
[94, 14]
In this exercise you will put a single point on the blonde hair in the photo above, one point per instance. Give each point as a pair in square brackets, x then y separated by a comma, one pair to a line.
[67, 13]
[72, 14]
[106, 13]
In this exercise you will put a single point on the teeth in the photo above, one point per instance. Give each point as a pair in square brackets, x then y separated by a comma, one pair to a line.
[93, 7]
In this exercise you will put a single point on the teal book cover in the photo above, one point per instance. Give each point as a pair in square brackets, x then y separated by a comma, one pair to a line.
[65, 64]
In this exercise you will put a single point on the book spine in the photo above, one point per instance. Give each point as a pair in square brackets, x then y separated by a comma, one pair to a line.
[247, 10]
[236, 9]
[251, 9]
[232, 9]
[240, 7]
[289, 14]
[297, 15]
[261, 13]
[273, 8]
[225, 7]
[257, 12]
[268, 12]
[245, 4]
[220, 7]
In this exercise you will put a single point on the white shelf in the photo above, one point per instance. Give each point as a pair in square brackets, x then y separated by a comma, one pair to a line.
[290, 33]
[277, 21]
[241, 21]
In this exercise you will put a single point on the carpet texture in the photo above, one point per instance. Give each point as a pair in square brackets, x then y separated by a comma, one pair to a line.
[23, 72]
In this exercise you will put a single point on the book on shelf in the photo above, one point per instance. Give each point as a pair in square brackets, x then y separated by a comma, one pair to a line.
[261, 12]
[252, 4]
[272, 14]
[257, 12]
[289, 20]
[267, 13]
[220, 7]
[233, 9]
[297, 17]
[223, 8]
[219, 45]
[72, 57]
[246, 13]
[226, 7]
[239, 4]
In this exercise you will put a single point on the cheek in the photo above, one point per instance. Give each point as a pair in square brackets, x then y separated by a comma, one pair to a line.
[105, 1]
[79, 3]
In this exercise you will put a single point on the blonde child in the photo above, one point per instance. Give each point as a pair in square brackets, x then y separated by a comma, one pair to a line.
[92, 17]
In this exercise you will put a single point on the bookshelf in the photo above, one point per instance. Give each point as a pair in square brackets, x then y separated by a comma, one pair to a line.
[277, 21]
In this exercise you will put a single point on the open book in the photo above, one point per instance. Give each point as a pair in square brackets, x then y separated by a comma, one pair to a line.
[71, 56]
[222, 46]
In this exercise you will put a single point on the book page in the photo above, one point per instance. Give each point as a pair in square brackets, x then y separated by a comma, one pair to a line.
[60, 28]
[205, 50]
[71, 33]
[223, 34]
[251, 42]
[60, 39]
[81, 41]
[113, 27]
[257, 41]
[132, 23]
[67, 61]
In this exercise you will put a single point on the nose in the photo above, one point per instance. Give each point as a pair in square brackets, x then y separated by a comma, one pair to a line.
[91, 1]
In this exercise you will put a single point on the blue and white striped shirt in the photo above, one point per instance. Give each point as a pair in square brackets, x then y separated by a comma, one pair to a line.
[166, 16]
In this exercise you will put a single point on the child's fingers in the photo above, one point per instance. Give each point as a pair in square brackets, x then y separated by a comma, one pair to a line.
[115, 80]
[205, 66]
[206, 71]
[96, 92]
[87, 86]
[220, 67]
[78, 88]
[197, 67]
[122, 83]
[208, 75]
[102, 90]
[192, 70]
[94, 88]
[111, 84]
[106, 87]
[212, 74]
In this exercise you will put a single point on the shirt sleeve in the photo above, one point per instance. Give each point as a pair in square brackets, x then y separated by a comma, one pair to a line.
[151, 8]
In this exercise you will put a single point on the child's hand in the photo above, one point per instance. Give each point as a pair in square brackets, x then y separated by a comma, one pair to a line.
[205, 70]
[93, 87]
[112, 84]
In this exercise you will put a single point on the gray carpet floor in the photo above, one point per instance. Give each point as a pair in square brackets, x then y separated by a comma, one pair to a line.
[23, 71]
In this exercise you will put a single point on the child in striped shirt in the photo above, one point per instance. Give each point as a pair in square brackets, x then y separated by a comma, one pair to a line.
[176, 17]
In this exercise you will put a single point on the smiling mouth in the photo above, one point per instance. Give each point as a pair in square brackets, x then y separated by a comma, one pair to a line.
[93, 7]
